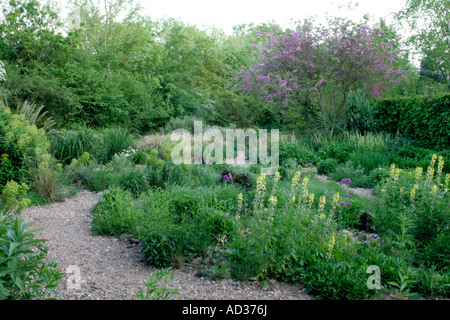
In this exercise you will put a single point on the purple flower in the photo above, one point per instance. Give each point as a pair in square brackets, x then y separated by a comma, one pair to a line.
[349, 204]
[347, 181]
[342, 203]
[225, 216]
[310, 164]
[226, 178]
[347, 195]
[302, 175]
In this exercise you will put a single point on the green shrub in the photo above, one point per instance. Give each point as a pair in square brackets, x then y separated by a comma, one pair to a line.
[335, 150]
[180, 225]
[134, 180]
[116, 213]
[297, 151]
[326, 166]
[360, 112]
[420, 118]
[99, 179]
[186, 123]
[20, 144]
[411, 156]
[358, 176]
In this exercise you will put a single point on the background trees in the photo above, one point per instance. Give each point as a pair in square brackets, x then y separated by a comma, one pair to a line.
[119, 67]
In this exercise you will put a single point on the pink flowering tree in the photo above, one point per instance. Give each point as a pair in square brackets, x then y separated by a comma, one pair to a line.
[321, 64]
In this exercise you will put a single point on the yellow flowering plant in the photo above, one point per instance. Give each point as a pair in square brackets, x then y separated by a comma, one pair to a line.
[413, 209]
[20, 143]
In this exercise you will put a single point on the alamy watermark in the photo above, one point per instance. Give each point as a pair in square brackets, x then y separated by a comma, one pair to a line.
[234, 144]
[374, 281]
[73, 281]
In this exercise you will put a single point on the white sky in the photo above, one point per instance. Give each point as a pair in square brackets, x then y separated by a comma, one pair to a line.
[224, 14]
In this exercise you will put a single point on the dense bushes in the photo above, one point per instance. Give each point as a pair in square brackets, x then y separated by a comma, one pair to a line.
[421, 118]
[20, 145]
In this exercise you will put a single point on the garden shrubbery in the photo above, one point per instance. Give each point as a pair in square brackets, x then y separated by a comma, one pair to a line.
[418, 117]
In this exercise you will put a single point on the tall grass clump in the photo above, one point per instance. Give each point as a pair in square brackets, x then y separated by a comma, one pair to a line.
[67, 145]
[369, 141]
[369, 160]
[114, 141]
[102, 145]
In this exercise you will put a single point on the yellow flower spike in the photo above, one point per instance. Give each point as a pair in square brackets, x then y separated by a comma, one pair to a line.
[430, 173]
[434, 190]
[392, 171]
[396, 174]
[273, 200]
[331, 246]
[322, 216]
[277, 177]
[240, 199]
[419, 173]
[336, 198]
[413, 192]
[296, 179]
[322, 201]
[293, 199]
[446, 183]
[261, 183]
[433, 160]
[311, 199]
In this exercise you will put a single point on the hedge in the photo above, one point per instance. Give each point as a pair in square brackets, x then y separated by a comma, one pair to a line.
[424, 119]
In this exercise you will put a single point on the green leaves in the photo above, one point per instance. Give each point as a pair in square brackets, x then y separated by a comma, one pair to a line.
[24, 273]
[417, 117]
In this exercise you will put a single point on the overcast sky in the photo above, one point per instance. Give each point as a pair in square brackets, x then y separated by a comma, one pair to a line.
[225, 14]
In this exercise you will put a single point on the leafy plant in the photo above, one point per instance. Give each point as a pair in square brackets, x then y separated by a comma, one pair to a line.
[326, 166]
[25, 273]
[155, 290]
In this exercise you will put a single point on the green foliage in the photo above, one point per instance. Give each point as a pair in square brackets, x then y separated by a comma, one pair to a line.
[12, 197]
[420, 118]
[134, 180]
[47, 178]
[25, 273]
[102, 144]
[115, 214]
[413, 209]
[369, 160]
[409, 156]
[154, 289]
[360, 112]
[20, 144]
[327, 166]
[298, 151]
[335, 150]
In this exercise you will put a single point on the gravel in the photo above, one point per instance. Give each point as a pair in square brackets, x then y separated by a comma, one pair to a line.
[106, 268]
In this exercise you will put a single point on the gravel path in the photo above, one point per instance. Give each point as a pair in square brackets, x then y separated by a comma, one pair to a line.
[111, 269]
